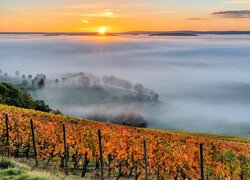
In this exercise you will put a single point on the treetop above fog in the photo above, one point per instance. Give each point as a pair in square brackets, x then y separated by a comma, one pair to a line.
[89, 80]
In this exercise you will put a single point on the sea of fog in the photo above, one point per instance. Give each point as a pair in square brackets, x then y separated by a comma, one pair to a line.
[203, 81]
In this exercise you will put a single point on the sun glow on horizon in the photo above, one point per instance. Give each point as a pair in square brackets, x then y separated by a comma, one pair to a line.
[102, 30]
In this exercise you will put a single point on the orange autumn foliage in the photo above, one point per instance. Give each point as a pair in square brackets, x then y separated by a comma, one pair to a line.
[172, 156]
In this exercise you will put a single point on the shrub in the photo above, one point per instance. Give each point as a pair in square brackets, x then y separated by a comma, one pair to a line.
[56, 111]
[6, 164]
[11, 95]
[128, 119]
[131, 119]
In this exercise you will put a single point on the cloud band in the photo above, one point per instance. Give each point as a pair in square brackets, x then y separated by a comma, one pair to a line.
[233, 14]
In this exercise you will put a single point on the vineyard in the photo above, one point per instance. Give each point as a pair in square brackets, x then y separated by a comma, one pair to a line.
[120, 152]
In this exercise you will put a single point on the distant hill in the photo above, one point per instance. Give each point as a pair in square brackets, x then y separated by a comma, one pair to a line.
[173, 34]
[187, 33]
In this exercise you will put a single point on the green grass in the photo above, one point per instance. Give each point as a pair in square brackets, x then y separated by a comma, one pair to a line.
[21, 169]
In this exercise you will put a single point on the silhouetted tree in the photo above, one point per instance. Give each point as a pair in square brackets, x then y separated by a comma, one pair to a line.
[139, 88]
[23, 76]
[127, 85]
[41, 83]
[84, 80]
[152, 93]
[17, 73]
[25, 82]
[124, 83]
[112, 80]
[29, 77]
[33, 82]
[156, 97]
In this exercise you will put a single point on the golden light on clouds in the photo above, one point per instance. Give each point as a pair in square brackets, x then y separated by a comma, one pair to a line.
[85, 21]
[69, 16]
[107, 14]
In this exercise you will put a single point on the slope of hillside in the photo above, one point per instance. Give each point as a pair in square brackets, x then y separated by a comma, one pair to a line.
[170, 154]
[12, 168]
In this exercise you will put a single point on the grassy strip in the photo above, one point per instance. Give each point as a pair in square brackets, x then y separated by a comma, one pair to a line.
[14, 169]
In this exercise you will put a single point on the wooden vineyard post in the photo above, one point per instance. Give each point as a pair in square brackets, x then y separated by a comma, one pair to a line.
[85, 164]
[201, 162]
[34, 141]
[100, 148]
[65, 151]
[7, 134]
[158, 172]
[146, 159]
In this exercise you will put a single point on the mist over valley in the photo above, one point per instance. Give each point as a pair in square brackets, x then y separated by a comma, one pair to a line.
[203, 82]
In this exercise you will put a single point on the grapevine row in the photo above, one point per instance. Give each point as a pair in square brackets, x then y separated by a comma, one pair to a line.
[169, 156]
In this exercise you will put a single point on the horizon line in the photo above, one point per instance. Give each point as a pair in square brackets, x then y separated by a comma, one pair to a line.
[145, 31]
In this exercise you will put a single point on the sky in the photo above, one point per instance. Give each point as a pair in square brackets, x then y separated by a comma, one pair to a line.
[123, 15]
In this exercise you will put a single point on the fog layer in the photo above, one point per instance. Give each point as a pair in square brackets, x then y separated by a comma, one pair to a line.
[203, 81]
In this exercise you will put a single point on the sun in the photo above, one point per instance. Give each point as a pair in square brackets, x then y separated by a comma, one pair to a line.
[102, 30]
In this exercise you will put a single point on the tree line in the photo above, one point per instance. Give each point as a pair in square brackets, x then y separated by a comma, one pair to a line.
[38, 81]
[90, 80]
